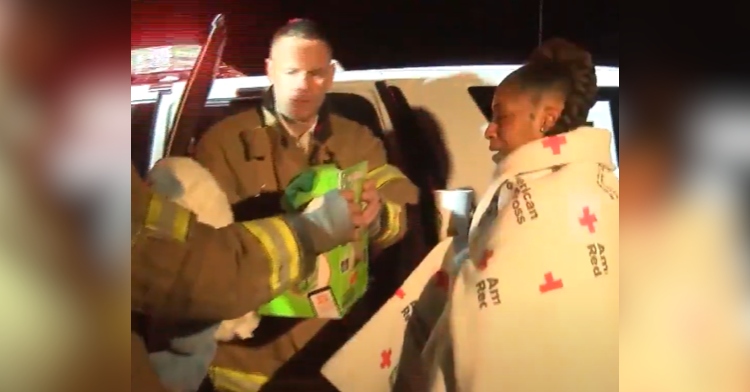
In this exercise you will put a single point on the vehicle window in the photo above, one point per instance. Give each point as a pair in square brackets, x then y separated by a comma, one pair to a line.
[482, 96]
[141, 118]
[356, 108]
[605, 113]
[151, 65]
[611, 96]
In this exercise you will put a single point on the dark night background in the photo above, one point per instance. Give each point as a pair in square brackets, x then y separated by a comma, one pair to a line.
[370, 34]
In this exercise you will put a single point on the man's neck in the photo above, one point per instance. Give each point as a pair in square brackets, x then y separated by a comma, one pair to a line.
[298, 128]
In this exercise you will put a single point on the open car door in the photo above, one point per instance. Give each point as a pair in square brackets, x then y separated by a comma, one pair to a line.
[425, 166]
[184, 126]
[175, 137]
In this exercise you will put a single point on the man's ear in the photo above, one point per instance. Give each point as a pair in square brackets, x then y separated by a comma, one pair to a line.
[330, 72]
[332, 69]
[269, 65]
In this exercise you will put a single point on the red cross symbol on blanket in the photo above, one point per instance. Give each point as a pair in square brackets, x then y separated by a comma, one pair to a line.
[550, 283]
[385, 358]
[486, 256]
[588, 219]
[554, 143]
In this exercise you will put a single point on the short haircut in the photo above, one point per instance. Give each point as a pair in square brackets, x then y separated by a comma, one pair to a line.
[302, 28]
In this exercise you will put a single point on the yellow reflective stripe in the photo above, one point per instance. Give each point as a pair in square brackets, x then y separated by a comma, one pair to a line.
[383, 174]
[392, 227]
[280, 245]
[182, 224]
[154, 211]
[271, 251]
[290, 241]
[228, 380]
[168, 219]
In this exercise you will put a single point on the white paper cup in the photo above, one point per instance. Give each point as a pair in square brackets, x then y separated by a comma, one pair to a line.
[455, 207]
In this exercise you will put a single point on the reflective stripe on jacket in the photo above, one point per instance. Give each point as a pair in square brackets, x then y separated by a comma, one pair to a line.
[167, 219]
[227, 380]
[393, 219]
[281, 247]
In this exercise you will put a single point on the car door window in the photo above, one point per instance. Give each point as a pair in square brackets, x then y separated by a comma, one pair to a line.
[141, 136]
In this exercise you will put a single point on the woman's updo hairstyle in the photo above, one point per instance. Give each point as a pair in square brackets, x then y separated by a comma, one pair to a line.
[561, 65]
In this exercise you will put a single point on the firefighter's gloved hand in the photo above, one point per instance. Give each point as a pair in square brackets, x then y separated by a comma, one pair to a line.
[327, 222]
[334, 214]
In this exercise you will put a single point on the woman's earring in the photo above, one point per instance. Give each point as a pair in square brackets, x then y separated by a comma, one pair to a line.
[542, 131]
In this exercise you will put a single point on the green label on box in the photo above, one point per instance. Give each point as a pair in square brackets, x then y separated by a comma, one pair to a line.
[341, 275]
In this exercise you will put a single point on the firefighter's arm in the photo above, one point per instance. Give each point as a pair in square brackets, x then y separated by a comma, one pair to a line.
[395, 189]
[184, 269]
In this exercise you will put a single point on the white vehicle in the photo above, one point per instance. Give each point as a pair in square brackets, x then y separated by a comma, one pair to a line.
[408, 106]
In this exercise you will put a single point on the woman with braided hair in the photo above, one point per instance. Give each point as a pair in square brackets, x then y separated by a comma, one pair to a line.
[535, 306]
[532, 303]
[550, 95]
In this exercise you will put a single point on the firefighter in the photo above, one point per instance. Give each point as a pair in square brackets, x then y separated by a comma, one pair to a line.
[184, 270]
[262, 149]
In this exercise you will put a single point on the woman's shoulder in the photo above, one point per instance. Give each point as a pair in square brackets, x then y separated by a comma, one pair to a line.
[593, 179]
[574, 193]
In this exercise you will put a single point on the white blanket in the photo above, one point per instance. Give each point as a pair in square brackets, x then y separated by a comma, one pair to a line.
[535, 305]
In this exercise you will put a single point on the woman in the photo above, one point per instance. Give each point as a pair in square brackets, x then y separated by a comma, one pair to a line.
[536, 306]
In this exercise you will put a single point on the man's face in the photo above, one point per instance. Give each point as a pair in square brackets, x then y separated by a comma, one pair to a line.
[301, 73]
